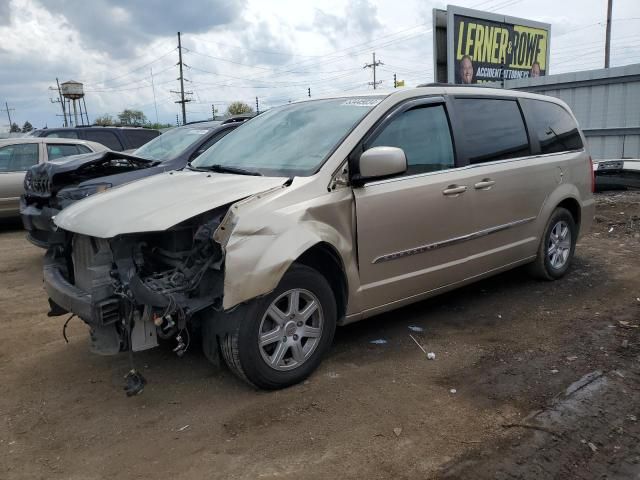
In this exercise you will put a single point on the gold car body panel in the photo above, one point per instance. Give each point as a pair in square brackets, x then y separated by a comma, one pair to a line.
[400, 240]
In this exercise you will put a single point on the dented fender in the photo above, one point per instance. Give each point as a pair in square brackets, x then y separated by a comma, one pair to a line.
[260, 244]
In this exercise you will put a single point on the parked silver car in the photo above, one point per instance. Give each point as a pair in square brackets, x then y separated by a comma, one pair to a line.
[321, 213]
[17, 155]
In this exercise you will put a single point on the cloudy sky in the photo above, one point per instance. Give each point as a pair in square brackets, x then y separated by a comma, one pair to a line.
[240, 49]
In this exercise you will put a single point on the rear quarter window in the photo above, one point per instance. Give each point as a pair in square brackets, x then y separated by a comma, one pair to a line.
[553, 127]
[137, 138]
[492, 129]
[106, 138]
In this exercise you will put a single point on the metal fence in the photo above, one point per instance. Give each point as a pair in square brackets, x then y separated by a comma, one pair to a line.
[606, 103]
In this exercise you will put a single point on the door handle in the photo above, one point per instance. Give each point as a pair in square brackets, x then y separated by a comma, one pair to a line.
[454, 190]
[485, 184]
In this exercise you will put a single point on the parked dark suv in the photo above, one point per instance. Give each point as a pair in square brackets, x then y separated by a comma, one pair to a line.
[114, 138]
[53, 186]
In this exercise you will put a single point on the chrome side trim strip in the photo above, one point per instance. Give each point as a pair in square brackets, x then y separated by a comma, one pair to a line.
[452, 241]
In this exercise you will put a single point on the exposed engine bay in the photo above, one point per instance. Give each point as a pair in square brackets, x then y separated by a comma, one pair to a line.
[138, 289]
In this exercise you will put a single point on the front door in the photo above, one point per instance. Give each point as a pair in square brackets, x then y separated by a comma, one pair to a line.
[411, 229]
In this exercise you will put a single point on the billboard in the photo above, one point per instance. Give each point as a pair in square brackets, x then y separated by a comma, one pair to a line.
[487, 47]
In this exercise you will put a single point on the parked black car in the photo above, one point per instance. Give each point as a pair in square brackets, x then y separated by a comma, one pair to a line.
[52, 186]
[114, 138]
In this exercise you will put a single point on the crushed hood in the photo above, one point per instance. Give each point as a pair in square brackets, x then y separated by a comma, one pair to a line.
[49, 177]
[159, 202]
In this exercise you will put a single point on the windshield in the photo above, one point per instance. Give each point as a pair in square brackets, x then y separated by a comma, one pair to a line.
[290, 140]
[171, 143]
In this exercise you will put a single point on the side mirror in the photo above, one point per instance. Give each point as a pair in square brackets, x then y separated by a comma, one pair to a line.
[378, 162]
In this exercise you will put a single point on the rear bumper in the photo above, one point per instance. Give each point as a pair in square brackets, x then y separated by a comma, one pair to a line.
[73, 300]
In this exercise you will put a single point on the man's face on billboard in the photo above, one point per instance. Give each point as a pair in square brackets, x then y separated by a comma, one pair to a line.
[535, 70]
[466, 70]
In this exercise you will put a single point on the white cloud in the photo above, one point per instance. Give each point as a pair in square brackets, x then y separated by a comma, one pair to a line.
[243, 49]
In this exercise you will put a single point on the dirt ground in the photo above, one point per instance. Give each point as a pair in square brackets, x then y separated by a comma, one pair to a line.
[499, 401]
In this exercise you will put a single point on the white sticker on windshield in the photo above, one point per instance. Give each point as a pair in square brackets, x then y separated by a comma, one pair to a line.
[197, 132]
[361, 102]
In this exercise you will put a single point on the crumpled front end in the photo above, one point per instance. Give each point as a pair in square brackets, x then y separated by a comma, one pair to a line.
[133, 289]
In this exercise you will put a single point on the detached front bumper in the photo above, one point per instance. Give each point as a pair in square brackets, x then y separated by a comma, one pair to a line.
[38, 222]
[71, 299]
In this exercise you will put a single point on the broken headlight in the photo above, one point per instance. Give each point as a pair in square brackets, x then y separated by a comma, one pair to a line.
[78, 193]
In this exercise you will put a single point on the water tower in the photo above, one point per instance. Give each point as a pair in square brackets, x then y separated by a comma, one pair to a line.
[73, 93]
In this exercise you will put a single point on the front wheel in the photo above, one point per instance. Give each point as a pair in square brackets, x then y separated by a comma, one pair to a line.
[280, 339]
[556, 247]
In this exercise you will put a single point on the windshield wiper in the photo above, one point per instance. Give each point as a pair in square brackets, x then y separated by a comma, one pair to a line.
[228, 169]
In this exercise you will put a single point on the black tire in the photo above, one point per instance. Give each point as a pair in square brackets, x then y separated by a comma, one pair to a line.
[240, 348]
[542, 267]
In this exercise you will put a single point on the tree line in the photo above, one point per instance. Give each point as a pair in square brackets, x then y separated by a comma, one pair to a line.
[135, 118]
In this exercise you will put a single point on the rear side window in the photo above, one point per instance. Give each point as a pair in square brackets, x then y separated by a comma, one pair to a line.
[61, 134]
[552, 125]
[137, 138]
[106, 138]
[493, 129]
[58, 150]
[423, 134]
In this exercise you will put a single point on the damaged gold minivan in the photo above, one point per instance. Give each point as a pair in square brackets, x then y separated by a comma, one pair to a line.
[320, 213]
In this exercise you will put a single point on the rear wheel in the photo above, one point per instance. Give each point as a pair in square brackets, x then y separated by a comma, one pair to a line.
[280, 339]
[556, 247]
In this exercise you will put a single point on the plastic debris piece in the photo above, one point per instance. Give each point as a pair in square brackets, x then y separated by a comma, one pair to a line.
[453, 390]
[333, 375]
[379, 341]
[397, 431]
[555, 370]
[610, 229]
[499, 316]
[415, 328]
[182, 429]
[572, 358]
[419, 346]
[593, 448]
[431, 356]
[633, 418]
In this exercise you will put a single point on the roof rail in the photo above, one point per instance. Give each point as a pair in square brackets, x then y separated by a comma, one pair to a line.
[449, 85]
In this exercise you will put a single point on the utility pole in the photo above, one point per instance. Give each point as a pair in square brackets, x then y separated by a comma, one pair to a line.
[213, 112]
[373, 66]
[182, 100]
[8, 110]
[309, 91]
[153, 88]
[395, 81]
[257, 106]
[607, 45]
[177, 120]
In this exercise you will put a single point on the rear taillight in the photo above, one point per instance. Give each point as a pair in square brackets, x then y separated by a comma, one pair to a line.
[593, 175]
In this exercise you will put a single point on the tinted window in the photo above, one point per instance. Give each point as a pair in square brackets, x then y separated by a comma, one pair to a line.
[83, 149]
[137, 138]
[18, 158]
[61, 134]
[106, 138]
[554, 128]
[423, 134]
[63, 150]
[493, 129]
